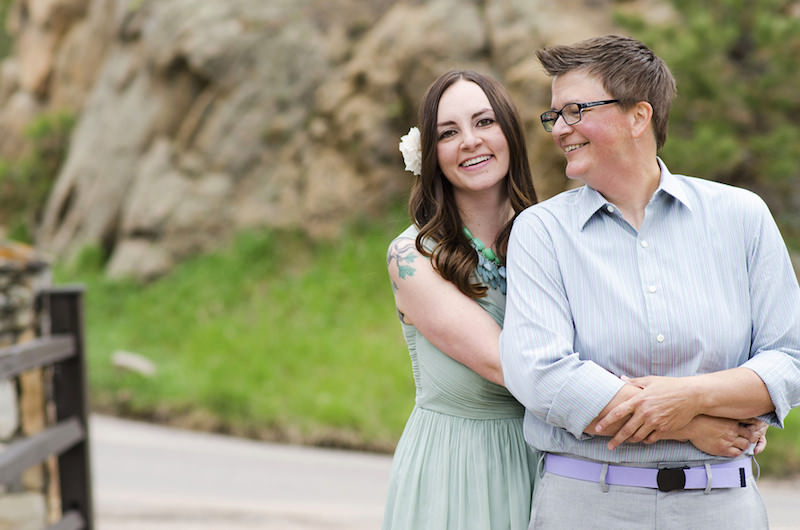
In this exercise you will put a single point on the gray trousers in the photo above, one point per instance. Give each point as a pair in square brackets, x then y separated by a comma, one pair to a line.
[566, 503]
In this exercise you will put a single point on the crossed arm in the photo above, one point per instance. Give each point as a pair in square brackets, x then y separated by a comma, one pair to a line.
[649, 405]
[653, 408]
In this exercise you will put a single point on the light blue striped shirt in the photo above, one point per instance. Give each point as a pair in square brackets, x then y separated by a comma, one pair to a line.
[705, 285]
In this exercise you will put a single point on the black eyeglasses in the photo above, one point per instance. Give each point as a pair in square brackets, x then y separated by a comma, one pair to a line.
[571, 112]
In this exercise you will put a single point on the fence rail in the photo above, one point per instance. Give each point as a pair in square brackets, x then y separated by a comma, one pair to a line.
[68, 438]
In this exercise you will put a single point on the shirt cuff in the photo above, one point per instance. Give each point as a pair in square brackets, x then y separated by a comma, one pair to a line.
[779, 371]
[582, 397]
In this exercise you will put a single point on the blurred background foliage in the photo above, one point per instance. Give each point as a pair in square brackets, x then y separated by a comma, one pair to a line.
[6, 42]
[26, 181]
[281, 337]
[737, 115]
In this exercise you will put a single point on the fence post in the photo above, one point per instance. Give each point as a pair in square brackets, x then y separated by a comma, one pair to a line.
[71, 400]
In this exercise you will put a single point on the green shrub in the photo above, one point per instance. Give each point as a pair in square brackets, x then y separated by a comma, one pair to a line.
[6, 42]
[26, 181]
[735, 61]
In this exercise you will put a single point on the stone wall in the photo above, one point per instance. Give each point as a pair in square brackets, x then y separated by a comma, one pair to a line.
[31, 501]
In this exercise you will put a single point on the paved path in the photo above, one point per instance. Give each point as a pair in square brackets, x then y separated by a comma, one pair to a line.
[148, 476]
[783, 502]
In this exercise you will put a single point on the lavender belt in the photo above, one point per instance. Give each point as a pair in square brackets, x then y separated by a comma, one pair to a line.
[733, 474]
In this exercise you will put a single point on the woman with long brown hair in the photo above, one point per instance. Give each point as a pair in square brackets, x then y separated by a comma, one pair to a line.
[462, 461]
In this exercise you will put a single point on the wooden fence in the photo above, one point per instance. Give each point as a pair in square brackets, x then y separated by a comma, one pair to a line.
[61, 347]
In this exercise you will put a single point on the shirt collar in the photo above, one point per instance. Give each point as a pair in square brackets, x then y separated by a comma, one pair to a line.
[589, 200]
[672, 185]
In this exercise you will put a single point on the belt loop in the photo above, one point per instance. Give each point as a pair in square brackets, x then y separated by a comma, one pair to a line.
[708, 479]
[603, 474]
[540, 465]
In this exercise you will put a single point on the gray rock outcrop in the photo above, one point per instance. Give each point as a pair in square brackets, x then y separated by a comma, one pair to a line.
[199, 118]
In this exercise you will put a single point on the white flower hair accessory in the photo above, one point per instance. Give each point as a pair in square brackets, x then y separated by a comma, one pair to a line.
[411, 147]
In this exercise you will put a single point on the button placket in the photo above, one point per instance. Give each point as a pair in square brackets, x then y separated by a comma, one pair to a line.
[649, 270]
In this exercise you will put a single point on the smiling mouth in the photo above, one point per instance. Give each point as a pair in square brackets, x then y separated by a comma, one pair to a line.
[475, 161]
[571, 148]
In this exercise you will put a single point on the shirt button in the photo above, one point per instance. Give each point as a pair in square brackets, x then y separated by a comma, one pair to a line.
[643, 243]
[660, 337]
[651, 288]
[610, 209]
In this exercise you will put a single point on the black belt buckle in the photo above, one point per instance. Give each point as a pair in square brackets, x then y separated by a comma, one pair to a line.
[671, 478]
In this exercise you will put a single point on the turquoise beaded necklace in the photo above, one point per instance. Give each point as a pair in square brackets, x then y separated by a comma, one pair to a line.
[490, 270]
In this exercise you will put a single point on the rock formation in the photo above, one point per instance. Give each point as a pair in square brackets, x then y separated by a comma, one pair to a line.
[199, 118]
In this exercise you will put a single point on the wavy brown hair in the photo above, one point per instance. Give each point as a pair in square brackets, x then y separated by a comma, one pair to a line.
[432, 204]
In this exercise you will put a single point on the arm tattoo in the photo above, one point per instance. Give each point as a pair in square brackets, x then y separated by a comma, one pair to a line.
[401, 253]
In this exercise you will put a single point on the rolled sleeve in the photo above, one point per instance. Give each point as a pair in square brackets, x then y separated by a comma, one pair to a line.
[781, 375]
[775, 300]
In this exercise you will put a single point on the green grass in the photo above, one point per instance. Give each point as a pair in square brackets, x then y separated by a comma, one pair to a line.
[277, 337]
[782, 455]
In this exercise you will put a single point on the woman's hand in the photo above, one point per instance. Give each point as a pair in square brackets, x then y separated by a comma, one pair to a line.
[719, 436]
[761, 444]
[723, 436]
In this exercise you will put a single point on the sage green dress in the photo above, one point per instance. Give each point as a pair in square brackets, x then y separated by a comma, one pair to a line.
[461, 462]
